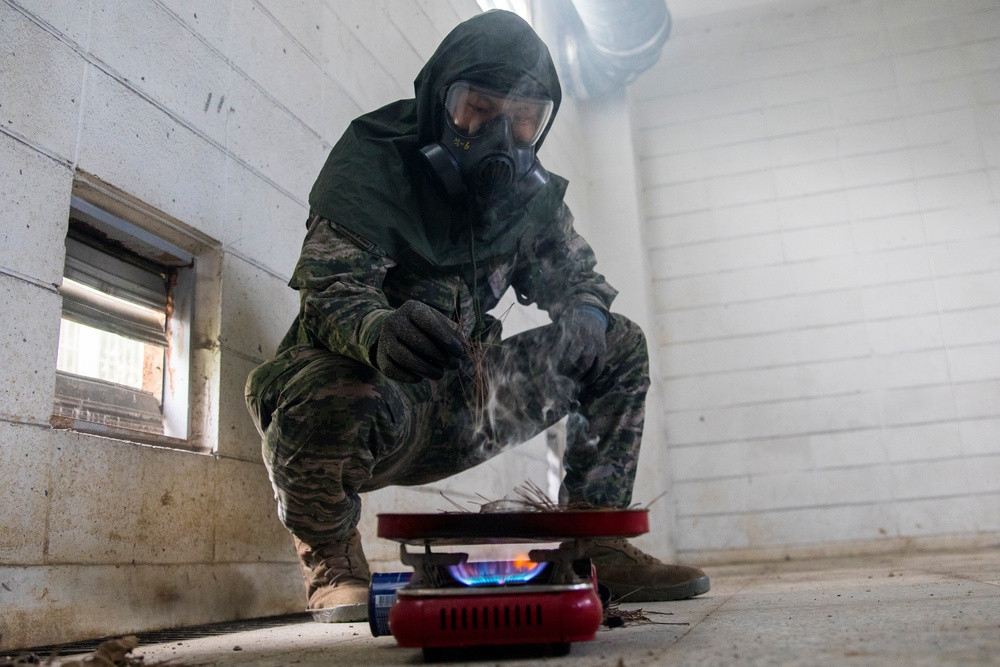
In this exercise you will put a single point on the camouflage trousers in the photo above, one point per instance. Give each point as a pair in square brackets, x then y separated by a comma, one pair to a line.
[334, 428]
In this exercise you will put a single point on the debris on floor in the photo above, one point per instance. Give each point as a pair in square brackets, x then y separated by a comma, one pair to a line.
[110, 653]
[616, 617]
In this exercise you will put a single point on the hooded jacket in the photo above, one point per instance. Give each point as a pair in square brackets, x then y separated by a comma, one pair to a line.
[381, 233]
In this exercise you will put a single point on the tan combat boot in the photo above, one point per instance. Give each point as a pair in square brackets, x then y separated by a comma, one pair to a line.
[635, 576]
[337, 579]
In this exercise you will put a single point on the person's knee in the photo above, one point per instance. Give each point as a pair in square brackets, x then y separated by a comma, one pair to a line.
[627, 343]
[333, 403]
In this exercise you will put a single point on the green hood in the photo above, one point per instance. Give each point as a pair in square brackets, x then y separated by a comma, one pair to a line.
[374, 182]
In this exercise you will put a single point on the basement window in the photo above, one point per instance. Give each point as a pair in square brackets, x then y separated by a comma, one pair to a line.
[124, 356]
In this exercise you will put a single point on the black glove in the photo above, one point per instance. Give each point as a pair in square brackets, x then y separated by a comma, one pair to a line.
[582, 349]
[418, 342]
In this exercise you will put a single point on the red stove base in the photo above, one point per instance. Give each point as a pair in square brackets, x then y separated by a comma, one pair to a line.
[435, 611]
[455, 621]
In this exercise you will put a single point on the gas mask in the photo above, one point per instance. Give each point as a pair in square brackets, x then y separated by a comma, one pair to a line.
[488, 145]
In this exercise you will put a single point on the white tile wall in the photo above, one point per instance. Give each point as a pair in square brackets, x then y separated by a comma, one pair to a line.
[824, 234]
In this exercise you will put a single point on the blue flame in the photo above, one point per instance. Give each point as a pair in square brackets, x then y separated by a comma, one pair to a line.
[496, 572]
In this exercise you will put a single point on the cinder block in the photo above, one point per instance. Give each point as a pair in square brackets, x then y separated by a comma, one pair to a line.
[925, 442]
[263, 224]
[986, 510]
[912, 13]
[752, 218]
[273, 143]
[971, 327]
[918, 35]
[977, 26]
[943, 515]
[882, 201]
[24, 476]
[162, 58]
[803, 56]
[135, 146]
[863, 46]
[794, 88]
[971, 364]
[778, 419]
[711, 257]
[877, 168]
[739, 189]
[29, 341]
[875, 137]
[847, 19]
[969, 291]
[821, 488]
[678, 198]
[35, 66]
[867, 107]
[118, 502]
[257, 309]
[899, 300]
[979, 436]
[300, 19]
[210, 21]
[907, 264]
[339, 109]
[918, 405]
[674, 168]
[953, 191]
[827, 241]
[962, 222]
[772, 384]
[808, 116]
[369, 23]
[34, 205]
[803, 148]
[928, 65]
[412, 20]
[880, 234]
[121, 599]
[723, 130]
[861, 447]
[962, 257]
[246, 526]
[928, 97]
[348, 61]
[68, 17]
[668, 139]
[905, 334]
[277, 62]
[813, 210]
[238, 437]
[909, 369]
[699, 462]
[929, 479]
[732, 160]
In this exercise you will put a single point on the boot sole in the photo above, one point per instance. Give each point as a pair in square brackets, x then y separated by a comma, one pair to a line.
[342, 613]
[629, 593]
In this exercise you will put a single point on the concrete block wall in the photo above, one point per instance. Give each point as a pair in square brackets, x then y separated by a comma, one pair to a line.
[219, 115]
[822, 188]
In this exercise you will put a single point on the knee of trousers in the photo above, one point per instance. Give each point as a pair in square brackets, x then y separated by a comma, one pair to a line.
[334, 417]
[627, 348]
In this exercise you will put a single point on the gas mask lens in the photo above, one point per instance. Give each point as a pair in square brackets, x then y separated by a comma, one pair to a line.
[471, 108]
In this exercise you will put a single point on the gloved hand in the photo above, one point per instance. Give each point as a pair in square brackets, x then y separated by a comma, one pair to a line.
[418, 342]
[582, 348]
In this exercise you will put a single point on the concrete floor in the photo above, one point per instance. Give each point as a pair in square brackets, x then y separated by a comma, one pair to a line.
[918, 609]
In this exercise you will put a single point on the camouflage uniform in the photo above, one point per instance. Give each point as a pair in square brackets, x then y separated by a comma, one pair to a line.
[333, 426]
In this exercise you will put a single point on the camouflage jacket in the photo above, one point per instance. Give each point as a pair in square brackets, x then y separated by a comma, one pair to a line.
[348, 286]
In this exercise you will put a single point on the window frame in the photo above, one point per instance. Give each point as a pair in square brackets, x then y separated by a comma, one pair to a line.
[191, 364]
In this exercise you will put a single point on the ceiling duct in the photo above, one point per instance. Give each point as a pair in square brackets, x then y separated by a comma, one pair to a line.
[602, 45]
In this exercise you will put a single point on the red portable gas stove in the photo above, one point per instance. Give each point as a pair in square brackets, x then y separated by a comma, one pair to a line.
[548, 597]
